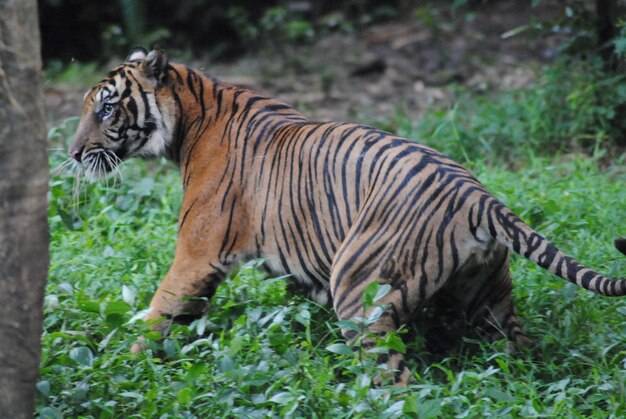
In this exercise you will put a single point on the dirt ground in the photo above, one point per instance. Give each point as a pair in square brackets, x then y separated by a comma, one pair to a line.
[409, 65]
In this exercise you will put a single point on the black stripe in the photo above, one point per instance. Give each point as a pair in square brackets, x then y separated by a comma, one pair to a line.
[184, 217]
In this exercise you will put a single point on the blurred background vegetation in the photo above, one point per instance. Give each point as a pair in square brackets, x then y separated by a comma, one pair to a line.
[222, 28]
[225, 28]
[577, 101]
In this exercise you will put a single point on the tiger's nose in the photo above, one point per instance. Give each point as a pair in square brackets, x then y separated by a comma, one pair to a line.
[77, 153]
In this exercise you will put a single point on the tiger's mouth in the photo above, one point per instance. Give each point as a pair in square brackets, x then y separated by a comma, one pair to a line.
[99, 163]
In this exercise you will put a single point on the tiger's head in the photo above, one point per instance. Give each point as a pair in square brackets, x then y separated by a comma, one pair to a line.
[126, 114]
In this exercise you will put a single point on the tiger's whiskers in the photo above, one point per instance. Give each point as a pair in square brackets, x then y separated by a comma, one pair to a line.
[65, 165]
[78, 176]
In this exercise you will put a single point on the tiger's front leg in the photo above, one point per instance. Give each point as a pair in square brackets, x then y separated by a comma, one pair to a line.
[208, 247]
[184, 292]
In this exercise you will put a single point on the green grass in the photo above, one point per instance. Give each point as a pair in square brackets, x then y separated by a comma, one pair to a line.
[263, 352]
[260, 351]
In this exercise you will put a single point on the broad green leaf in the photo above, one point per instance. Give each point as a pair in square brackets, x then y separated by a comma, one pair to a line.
[395, 343]
[374, 292]
[339, 348]
[395, 409]
[381, 291]
[153, 335]
[410, 405]
[128, 295]
[132, 395]
[82, 355]
[235, 345]
[282, 398]
[303, 317]
[50, 413]
[498, 395]
[348, 325]
[374, 315]
[170, 348]
[88, 306]
[66, 288]
[185, 396]
[116, 307]
[44, 387]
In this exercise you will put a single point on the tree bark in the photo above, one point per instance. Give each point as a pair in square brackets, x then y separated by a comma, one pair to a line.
[23, 207]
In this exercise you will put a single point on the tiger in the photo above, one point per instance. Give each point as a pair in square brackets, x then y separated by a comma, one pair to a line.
[337, 206]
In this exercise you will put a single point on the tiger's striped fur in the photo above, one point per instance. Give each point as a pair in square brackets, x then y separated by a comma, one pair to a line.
[336, 205]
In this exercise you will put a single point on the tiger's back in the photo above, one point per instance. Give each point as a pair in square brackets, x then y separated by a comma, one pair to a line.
[341, 174]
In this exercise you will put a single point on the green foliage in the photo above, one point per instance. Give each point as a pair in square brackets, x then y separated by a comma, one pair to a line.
[362, 362]
[573, 106]
[276, 23]
[575, 26]
[283, 24]
[86, 73]
[620, 42]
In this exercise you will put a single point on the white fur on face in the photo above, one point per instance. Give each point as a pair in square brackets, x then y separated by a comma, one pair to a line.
[161, 137]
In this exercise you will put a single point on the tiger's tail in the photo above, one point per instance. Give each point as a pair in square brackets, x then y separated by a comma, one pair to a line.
[493, 217]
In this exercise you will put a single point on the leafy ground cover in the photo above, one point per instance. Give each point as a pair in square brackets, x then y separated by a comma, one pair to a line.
[262, 351]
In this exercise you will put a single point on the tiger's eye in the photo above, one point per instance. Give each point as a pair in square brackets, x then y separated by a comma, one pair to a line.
[107, 109]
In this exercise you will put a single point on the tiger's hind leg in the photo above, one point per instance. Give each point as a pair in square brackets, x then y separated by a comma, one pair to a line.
[388, 322]
[413, 274]
[350, 275]
[484, 291]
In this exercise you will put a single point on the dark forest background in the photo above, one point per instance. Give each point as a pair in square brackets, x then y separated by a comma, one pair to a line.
[93, 30]
[75, 29]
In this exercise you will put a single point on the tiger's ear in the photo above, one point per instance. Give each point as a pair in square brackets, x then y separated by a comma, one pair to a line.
[137, 54]
[155, 65]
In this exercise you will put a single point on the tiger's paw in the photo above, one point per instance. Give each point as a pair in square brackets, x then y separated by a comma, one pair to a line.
[139, 346]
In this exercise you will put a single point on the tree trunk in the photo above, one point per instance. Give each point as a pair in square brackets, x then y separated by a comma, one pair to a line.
[23, 207]
[606, 31]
